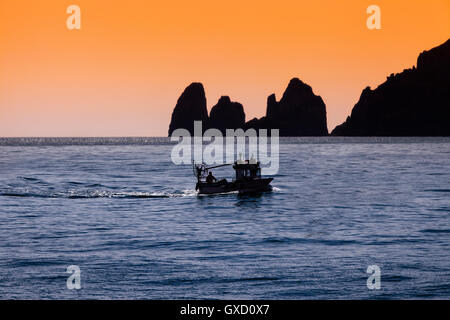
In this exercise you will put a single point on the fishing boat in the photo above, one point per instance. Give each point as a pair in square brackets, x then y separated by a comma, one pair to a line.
[247, 180]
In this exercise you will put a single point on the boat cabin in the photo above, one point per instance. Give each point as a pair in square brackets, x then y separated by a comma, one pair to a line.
[246, 170]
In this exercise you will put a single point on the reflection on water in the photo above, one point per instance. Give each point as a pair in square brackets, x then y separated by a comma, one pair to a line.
[251, 201]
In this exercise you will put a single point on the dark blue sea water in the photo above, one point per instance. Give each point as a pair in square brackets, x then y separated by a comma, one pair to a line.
[131, 220]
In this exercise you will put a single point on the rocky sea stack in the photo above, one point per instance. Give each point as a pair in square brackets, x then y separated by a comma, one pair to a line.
[298, 113]
[227, 115]
[191, 106]
[415, 102]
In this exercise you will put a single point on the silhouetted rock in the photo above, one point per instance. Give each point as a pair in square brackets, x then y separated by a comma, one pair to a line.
[299, 112]
[190, 106]
[271, 106]
[257, 124]
[415, 102]
[227, 115]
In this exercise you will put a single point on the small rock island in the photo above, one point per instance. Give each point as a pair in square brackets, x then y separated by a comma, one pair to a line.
[190, 107]
[298, 113]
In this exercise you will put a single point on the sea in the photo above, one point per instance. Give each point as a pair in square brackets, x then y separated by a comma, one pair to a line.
[345, 214]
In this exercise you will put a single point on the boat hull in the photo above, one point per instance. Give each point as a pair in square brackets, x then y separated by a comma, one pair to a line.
[255, 186]
[242, 186]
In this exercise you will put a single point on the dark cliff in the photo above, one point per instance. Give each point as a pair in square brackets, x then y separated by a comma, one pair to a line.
[191, 106]
[298, 113]
[227, 115]
[415, 102]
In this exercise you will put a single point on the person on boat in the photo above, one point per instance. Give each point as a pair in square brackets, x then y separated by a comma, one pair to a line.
[210, 178]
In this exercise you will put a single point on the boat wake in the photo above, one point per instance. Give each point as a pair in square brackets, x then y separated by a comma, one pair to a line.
[96, 193]
[36, 188]
[90, 194]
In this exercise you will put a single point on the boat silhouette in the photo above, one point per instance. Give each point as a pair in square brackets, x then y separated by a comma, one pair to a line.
[247, 180]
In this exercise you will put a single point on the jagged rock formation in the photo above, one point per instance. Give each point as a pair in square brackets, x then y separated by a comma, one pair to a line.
[190, 106]
[415, 102]
[227, 115]
[298, 113]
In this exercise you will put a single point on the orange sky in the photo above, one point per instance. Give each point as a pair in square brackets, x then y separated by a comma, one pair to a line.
[121, 74]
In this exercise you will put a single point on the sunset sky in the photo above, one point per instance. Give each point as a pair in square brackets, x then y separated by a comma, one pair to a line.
[122, 73]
